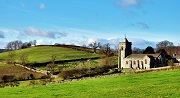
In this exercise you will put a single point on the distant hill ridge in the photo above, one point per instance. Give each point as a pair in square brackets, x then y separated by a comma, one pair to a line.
[43, 53]
[75, 47]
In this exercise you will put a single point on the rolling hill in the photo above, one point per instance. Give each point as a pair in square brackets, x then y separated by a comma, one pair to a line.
[43, 54]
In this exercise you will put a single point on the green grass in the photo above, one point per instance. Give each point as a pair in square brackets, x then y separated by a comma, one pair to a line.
[152, 85]
[44, 53]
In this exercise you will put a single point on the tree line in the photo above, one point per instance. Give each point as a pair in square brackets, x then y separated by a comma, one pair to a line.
[18, 44]
[108, 51]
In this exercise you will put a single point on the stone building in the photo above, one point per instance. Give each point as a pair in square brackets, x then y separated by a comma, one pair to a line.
[176, 59]
[138, 61]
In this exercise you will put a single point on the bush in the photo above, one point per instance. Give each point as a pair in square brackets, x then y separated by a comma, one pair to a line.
[10, 61]
[83, 72]
[45, 77]
[8, 78]
[2, 85]
[170, 63]
[41, 81]
[74, 73]
[110, 61]
[34, 82]
[46, 81]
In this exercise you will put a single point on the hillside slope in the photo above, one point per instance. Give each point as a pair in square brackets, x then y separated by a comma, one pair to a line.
[44, 53]
[152, 85]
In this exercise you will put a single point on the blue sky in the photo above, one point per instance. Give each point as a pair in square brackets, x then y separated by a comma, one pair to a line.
[145, 22]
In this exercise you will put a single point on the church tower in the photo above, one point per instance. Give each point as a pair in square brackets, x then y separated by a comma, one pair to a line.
[124, 51]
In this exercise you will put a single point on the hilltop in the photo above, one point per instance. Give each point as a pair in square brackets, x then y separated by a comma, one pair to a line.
[41, 54]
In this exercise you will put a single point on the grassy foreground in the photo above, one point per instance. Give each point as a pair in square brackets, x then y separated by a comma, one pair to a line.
[44, 53]
[153, 85]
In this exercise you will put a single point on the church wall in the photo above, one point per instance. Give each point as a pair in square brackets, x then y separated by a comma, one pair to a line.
[136, 63]
[147, 62]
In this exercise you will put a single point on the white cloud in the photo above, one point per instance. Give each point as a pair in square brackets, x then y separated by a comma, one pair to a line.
[136, 42]
[177, 43]
[43, 42]
[141, 43]
[31, 31]
[42, 6]
[90, 40]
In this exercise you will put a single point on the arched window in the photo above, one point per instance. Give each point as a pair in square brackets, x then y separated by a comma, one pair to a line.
[138, 63]
[142, 65]
[121, 48]
[145, 61]
[126, 62]
[134, 62]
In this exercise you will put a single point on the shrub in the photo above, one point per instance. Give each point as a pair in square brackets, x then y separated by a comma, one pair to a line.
[107, 61]
[10, 61]
[2, 85]
[170, 63]
[81, 72]
[34, 82]
[45, 77]
[74, 73]
[8, 78]
[46, 81]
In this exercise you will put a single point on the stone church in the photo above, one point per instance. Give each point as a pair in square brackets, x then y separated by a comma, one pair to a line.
[138, 61]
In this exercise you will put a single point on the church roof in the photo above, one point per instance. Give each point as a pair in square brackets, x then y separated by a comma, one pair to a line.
[143, 55]
[136, 56]
[154, 55]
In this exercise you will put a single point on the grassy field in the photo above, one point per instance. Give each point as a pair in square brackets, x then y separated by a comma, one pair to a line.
[44, 53]
[152, 85]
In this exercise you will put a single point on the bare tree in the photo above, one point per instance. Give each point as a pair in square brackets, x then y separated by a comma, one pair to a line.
[51, 64]
[33, 42]
[11, 55]
[94, 46]
[26, 45]
[23, 58]
[164, 44]
[14, 45]
[19, 44]
[105, 49]
[9, 46]
[168, 46]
